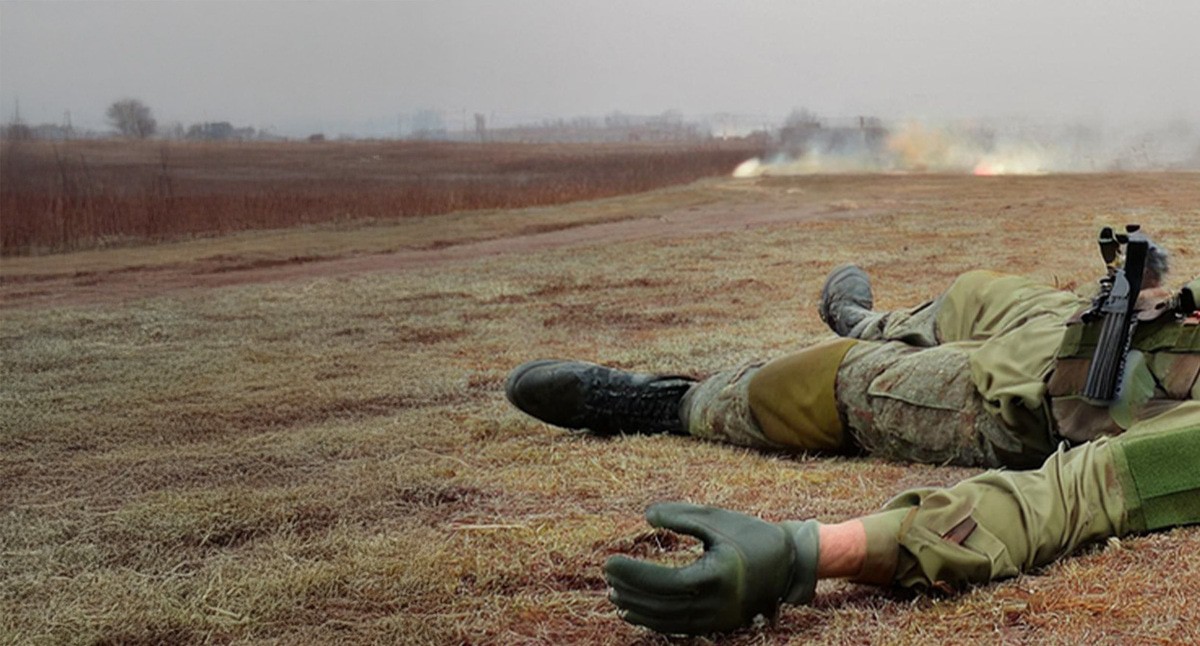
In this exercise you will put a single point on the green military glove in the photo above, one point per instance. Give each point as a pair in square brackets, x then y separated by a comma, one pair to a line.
[749, 566]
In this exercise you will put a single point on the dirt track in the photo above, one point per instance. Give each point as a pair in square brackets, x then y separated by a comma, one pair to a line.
[139, 282]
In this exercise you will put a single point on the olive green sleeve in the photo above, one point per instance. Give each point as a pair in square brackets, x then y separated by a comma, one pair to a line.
[1002, 523]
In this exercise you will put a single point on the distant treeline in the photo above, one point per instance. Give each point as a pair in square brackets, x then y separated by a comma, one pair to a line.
[207, 131]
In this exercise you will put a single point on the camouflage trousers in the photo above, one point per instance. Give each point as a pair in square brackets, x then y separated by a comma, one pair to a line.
[897, 402]
[902, 391]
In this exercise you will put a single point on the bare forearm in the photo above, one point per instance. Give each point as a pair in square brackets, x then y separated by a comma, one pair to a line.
[843, 550]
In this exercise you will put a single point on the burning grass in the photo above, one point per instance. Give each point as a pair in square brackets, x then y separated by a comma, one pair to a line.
[330, 459]
[78, 195]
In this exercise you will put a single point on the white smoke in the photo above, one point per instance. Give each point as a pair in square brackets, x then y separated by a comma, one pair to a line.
[983, 149]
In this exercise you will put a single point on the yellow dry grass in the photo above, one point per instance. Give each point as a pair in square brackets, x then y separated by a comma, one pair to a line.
[332, 459]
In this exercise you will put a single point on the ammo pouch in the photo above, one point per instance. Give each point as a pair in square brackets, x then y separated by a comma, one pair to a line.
[1160, 371]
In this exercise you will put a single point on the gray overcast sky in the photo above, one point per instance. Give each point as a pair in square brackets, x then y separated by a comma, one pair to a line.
[340, 65]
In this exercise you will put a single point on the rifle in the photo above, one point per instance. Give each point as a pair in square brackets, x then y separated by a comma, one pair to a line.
[1116, 306]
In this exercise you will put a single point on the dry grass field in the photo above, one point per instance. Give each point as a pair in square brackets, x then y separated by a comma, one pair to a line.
[72, 195]
[301, 437]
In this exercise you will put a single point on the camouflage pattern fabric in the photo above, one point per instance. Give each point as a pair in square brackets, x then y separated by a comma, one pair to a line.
[718, 409]
[788, 403]
[1011, 328]
[916, 326]
[919, 404]
[1016, 334]
[896, 401]
[958, 380]
[913, 394]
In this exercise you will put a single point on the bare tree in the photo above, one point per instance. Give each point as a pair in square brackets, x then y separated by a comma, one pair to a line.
[132, 118]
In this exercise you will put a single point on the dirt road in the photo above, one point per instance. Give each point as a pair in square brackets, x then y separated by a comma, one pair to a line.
[56, 289]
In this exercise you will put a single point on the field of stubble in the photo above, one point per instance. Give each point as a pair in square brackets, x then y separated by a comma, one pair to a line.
[316, 449]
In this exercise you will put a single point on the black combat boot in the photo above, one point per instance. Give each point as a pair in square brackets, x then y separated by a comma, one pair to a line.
[574, 394]
[845, 299]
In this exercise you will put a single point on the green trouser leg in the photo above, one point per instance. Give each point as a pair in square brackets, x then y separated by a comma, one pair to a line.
[915, 326]
[978, 306]
[1002, 523]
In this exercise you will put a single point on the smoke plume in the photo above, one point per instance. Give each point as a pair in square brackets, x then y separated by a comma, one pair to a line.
[806, 145]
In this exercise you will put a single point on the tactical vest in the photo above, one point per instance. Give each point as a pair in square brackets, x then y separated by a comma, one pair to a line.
[1161, 371]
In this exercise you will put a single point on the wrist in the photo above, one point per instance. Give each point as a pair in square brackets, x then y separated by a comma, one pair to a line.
[843, 550]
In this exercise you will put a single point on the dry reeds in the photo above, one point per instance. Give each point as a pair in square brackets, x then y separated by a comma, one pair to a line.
[76, 195]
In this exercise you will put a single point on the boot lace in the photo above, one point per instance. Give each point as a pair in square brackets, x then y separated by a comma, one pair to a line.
[617, 403]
